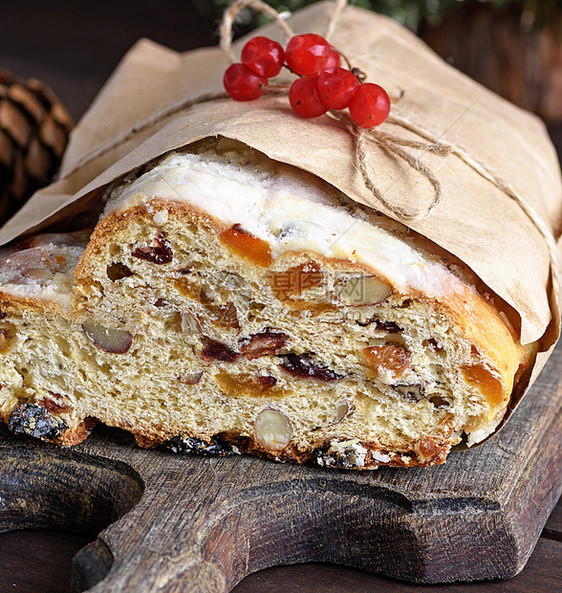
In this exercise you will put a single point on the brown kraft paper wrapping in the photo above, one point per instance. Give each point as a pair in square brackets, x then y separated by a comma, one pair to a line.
[154, 103]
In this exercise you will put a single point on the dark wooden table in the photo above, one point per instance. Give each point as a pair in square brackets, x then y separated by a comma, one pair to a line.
[74, 46]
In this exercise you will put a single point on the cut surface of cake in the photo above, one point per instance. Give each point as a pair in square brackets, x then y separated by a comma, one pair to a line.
[229, 303]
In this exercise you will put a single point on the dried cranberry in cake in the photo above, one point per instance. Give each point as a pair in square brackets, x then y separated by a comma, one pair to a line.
[247, 245]
[212, 349]
[389, 358]
[158, 251]
[266, 342]
[303, 366]
[293, 281]
[265, 382]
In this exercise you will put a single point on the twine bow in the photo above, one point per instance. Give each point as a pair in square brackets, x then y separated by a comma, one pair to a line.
[387, 141]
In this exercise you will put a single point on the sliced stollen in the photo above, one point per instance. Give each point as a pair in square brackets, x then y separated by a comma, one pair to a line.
[227, 303]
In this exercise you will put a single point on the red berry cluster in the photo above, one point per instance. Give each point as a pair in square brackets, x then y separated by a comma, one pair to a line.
[323, 85]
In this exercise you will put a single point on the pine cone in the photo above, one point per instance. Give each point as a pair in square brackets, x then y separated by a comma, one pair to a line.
[34, 129]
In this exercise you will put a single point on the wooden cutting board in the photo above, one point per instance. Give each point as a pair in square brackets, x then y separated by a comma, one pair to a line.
[173, 523]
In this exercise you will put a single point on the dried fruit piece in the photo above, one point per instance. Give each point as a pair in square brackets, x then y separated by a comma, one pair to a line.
[158, 251]
[265, 382]
[55, 404]
[36, 421]
[482, 378]
[245, 385]
[217, 350]
[293, 281]
[216, 447]
[115, 341]
[388, 326]
[303, 366]
[117, 271]
[266, 342]
[439, 402]
[364, 290]
[247, 245]
[412, 393]
[272, 429]
[390, 358]
[187, 287]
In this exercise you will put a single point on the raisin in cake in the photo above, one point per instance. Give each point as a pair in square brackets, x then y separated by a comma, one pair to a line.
[228, 303]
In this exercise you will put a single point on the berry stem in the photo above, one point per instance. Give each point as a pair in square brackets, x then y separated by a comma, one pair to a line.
[276, 88]
[359, 74]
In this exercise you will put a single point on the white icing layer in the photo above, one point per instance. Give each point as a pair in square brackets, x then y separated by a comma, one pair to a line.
[284, 207]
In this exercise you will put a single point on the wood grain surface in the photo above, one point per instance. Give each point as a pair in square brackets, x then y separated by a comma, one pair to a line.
[171, 522]
[505, 487]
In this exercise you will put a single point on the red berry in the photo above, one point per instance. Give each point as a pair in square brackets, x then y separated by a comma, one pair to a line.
[264, 56]
[333, 60]
[336, 87]
[304, 98]
[370, 105]
[242, 84]
[307, 54]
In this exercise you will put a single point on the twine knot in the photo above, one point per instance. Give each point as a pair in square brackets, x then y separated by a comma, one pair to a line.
[361, 136]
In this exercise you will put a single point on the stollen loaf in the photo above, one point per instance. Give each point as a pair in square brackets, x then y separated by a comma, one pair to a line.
[221, 277]
[228, 303]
